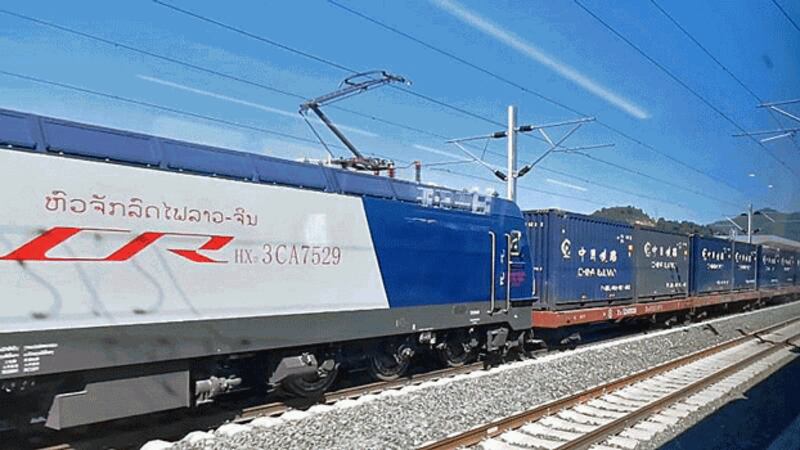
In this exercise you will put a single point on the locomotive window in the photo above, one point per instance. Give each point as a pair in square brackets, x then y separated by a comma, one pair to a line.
[516, 236]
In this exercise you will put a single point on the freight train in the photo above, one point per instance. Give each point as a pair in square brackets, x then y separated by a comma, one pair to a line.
[142, 274]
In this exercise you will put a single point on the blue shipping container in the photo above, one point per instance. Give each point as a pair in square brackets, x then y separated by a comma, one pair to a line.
[579, 259]
[787, 261]
[712, 265]
[797, 270]
[769, 270]
[661, 263]
[745, 261]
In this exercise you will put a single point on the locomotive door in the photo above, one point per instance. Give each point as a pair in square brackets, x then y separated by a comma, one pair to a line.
[504, 250]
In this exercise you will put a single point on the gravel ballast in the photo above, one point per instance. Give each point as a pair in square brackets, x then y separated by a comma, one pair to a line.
[710, 408]
[412, 416]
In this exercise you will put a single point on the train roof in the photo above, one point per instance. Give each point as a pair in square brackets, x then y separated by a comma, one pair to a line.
[41, 134]
[564, 213]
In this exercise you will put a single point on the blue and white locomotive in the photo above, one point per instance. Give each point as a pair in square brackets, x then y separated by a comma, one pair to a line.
[165, 273]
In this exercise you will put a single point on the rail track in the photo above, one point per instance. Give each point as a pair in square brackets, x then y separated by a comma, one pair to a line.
[626, 412]
[278, 408]
[130, 438]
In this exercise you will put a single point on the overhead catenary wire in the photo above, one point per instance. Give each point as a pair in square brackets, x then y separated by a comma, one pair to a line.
[541, 96]
[526, 188]
[319, 59]
[353, 70]
[437, 166]
[525, 89]
[617, 188]
[250, 82]
[447, 54]
[197, 67]
[154, 55]
[682, 83]
[655, 179]
[212, 119]
[786, 15]
[207, 70]
[203, 69]
[253, 36]
[154, 106]
[495, 181]
[717, 61]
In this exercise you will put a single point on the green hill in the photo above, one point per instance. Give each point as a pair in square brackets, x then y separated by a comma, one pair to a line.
[785, 224]
[636, 216]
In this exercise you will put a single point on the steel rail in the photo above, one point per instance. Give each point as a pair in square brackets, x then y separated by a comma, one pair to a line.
[618, 425]
[273, 409]
[498, 427]
[277, 408]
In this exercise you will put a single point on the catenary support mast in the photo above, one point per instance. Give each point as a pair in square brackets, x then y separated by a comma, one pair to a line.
[511, 190]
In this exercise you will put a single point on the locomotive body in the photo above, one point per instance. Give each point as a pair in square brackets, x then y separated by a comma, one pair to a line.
[145, 262]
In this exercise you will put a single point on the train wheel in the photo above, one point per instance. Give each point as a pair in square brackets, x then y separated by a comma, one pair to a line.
[389, 361]
[455, 351]
[309, 386]
[532, 345]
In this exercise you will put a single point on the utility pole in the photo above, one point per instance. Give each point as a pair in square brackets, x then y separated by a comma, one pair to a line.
[750, 214]
[511, 175]
[511, 180]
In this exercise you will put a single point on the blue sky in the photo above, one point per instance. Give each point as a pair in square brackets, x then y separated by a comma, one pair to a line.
[554, 48]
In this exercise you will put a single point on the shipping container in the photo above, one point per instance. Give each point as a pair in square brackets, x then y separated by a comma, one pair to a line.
[769, 269]
[797, 270]
[579, 260]
[787, 265]
[712, 265]
[661, 264]
[745, 263]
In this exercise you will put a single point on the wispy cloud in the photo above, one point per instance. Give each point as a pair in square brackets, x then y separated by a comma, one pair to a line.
[456, 158]
[243, 102]
[440, 152]
[292, 150]
[568, 185]
[526, 48]
[184, 129]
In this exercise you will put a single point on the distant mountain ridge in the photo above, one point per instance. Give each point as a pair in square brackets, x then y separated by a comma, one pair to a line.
[786, 224]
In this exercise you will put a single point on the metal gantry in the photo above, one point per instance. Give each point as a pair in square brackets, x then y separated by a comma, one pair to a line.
[511, 174]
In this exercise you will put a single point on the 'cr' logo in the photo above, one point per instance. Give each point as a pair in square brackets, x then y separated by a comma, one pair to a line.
[37, 249]
[566, 248]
